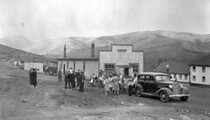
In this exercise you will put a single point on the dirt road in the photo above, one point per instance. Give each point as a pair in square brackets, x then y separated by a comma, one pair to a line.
[19, 101]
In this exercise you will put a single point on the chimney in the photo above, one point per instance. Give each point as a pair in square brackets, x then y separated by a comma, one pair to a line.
[92, 50]
[64, 52]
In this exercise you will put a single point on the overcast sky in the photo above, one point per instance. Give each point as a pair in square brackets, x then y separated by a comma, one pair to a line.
[41, 19]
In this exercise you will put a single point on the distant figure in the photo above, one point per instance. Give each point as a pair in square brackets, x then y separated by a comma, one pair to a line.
[71, 78]
[106, 85]
[67, 83]
[59, 76]
[81, 81]
[33, 77]
[78, 74]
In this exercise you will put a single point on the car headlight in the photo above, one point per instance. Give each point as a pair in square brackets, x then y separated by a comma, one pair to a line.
[170, 86]
[181, 85]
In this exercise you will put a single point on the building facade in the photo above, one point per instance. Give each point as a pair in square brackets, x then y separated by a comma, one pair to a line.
[200, 74]
[200, 71]
[38, 66]
[117, 58]
[121, 59]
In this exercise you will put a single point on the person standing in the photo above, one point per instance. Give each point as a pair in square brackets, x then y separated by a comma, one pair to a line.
[71, 78]
[66, 79]
[33, 77]
[111, 84]
[78, 74]
[116, 84]
[106, 82]
[59, 76]
[81, 84]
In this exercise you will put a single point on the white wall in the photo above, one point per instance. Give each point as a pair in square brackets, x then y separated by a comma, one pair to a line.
[38, 66]
[199, 74]
[121, 58]
[182, 79]
[90, 66]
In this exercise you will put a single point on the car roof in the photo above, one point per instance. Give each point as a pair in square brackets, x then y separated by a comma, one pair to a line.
[152, 73]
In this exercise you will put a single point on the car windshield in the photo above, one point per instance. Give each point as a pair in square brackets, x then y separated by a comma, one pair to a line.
[162, 78]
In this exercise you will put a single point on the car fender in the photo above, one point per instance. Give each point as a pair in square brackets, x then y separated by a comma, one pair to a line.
[138, 85]
[164, 89]
[185, 90]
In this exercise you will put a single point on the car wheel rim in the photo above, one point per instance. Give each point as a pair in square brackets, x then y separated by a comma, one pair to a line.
[163, 97]
[138, 91]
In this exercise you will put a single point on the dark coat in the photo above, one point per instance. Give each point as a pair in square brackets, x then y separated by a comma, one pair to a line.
[33, 77]
[70, 77]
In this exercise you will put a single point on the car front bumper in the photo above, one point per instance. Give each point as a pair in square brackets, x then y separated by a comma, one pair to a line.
[179, 95]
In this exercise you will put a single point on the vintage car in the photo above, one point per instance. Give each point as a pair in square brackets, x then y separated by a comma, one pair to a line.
[159, 84]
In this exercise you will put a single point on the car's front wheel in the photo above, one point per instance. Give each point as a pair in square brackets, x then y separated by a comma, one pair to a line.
[138, 91]
[164, 97]
[185, 98]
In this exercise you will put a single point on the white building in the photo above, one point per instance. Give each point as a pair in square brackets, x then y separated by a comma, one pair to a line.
[178, 71]
[38, 66]
[200, 71]
[119, 58]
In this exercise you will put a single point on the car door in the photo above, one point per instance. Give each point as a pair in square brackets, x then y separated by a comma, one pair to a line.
[141, 80]
[150, 84]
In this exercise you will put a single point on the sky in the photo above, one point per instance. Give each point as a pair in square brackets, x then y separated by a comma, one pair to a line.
[48, 19]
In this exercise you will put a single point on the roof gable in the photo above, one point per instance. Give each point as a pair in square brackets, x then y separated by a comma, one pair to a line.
[175, 67]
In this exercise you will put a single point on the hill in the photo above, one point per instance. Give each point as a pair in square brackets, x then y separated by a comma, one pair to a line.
[11, 54]
[158, 46]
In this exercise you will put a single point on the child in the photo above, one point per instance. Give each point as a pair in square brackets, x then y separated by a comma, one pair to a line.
[106, 81]
[110, 84]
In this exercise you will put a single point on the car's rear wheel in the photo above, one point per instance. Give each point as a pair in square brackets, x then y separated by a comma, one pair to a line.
[185, 98]
[138, 91]
[164, 97]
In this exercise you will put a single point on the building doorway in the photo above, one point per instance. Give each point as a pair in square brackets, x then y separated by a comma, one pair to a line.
[126, 71]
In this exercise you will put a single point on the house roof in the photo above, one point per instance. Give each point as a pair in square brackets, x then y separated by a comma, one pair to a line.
[175, 67]
[84, 54]
[203, 61]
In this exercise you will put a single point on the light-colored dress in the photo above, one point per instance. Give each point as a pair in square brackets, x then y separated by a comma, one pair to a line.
[116, 83]
[111, 83]
[106, 84]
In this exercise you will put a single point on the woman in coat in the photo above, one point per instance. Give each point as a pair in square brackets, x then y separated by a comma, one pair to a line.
[33, 77]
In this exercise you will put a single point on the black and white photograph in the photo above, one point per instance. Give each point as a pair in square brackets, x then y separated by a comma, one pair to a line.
[104, 60]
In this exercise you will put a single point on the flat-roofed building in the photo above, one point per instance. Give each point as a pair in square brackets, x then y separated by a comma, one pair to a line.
[117, 58]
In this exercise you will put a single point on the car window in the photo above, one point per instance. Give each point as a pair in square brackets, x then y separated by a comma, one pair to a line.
[162, 78]
[141, 77]
[148, 78]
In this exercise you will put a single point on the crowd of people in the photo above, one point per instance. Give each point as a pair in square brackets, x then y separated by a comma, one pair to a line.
[113, 83]
[72, 79]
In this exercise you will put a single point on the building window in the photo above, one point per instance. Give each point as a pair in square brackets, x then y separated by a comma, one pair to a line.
[185, 77]
[135, 68]
[109, 68]
[203, 69]
[194, 68]
[194, 78]
[83, 65]
[121, 50]
[180, 76]
[203, 79]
